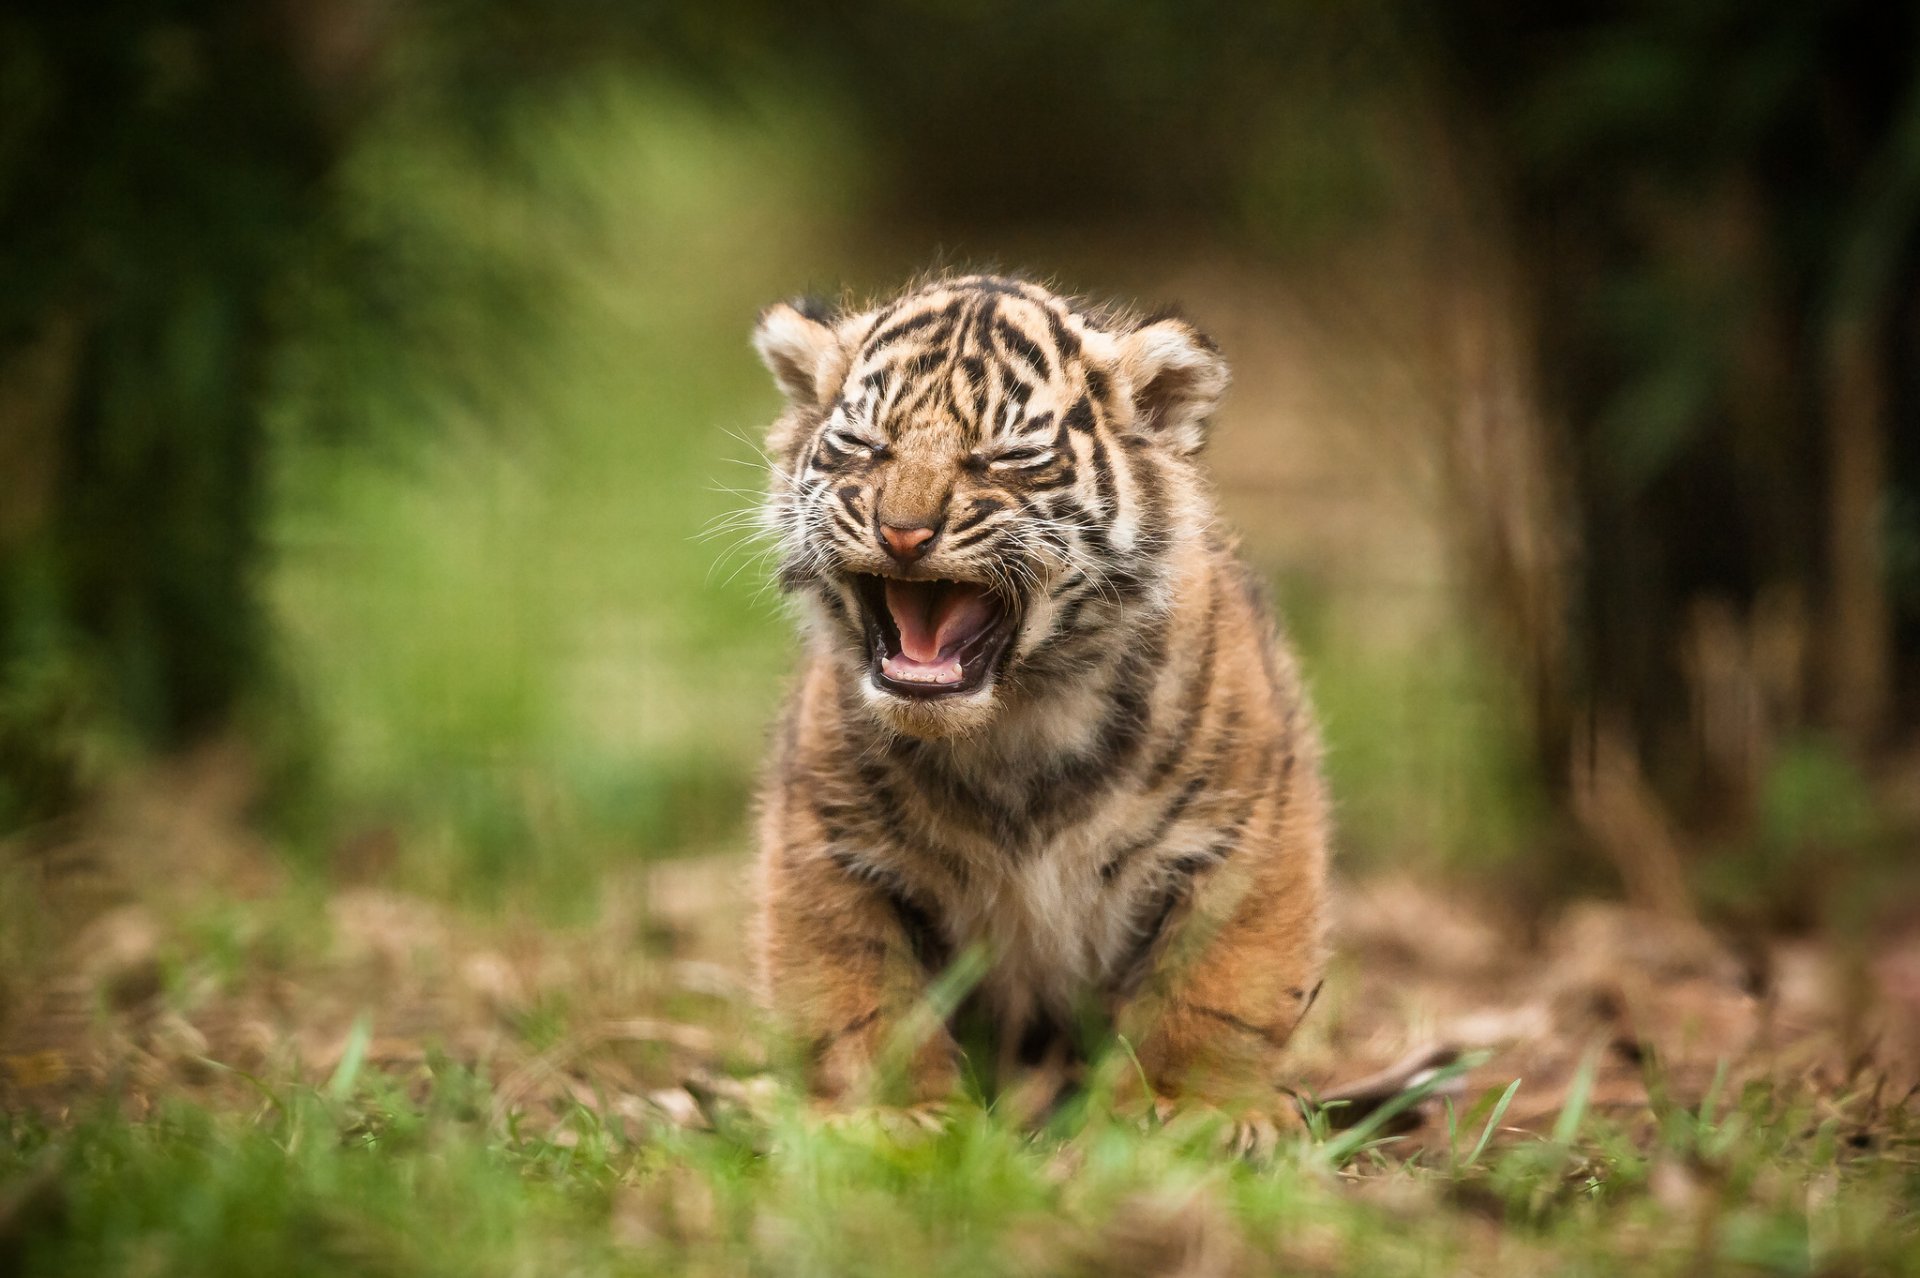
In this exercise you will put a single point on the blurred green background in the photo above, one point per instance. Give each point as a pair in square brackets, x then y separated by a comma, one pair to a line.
[375, 402]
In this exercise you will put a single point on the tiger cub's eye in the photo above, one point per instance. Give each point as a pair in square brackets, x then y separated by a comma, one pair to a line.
[848, 442]
[1018, 458]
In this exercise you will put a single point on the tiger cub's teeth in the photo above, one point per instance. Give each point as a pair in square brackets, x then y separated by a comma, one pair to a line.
[905, 673]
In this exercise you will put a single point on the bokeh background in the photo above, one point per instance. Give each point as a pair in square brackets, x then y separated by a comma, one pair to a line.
[376, 398]
[376, 412]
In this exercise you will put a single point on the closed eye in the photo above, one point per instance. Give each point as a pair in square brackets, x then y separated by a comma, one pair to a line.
[846, 441]
[1015, 458]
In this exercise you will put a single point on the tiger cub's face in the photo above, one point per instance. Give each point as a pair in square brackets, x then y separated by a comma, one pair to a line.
[977, 484]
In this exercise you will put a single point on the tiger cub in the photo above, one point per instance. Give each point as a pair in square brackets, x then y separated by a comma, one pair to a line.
[1044, 711]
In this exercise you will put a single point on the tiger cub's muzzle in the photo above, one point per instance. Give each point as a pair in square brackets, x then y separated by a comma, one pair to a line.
[930, 638]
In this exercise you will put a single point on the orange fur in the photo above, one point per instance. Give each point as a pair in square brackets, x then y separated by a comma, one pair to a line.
[1123, 808]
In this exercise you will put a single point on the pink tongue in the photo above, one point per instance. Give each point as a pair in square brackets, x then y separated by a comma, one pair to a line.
[930, 618]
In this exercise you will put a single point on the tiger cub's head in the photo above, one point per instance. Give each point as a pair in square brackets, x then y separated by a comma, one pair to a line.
[977, 486]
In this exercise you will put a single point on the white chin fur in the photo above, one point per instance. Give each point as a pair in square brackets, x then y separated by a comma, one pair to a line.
[931, 718]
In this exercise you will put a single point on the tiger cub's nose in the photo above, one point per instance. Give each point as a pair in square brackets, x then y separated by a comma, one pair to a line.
[906, 544]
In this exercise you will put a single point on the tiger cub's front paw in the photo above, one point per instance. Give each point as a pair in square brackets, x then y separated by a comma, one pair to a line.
[900, 1124]
[1253, 1134]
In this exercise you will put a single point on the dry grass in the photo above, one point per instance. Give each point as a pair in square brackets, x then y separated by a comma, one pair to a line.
[1675, 1094]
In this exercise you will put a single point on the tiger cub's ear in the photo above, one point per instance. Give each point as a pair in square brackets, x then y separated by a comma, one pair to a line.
[799, 349]
[1178, 379]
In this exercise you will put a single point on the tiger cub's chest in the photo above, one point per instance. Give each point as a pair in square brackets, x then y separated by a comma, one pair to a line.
[1061, 918]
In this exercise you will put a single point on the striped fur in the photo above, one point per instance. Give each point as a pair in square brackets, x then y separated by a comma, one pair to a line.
[1128, 815]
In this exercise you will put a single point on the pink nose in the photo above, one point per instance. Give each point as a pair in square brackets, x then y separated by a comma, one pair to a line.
[906, 544]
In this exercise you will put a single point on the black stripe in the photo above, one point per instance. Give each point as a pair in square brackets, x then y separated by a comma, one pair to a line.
[1063, 337]
[819, 1047]
[858, 1023]
[1132, 967]
[958, 799]
[1041, 1037]
[986, 309]
[913, 324]
[1080, 416]
[855, 531]
[1103, 475]
[1148, 483]
[925, 362]
[1069, 789]
[1024, 347]
[1271, 1033]
[893, 822]
[1181, 801]
[1197, 696]
[924, 937]
[1070, 615]
[833, 817]
[1013, 386]
[976, 374]
[1176, 888]
[983, 508]
[924, 393]
[881, 316]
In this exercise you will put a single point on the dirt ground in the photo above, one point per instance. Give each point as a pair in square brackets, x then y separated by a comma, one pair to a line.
[217, 974]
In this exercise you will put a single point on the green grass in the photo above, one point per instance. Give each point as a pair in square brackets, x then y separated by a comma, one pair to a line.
[405, 1176]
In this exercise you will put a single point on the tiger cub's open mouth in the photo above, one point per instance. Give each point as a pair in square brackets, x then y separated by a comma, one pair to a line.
[933, 638]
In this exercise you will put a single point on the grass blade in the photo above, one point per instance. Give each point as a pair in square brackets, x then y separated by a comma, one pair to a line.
[1711, 1101]
[1493, 1123]
[1567, 1126]
[340, 1086]
[928, 1016]
[1361, 1135]
[1139, 1076]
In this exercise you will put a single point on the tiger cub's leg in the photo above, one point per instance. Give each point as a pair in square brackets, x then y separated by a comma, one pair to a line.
[844, 966]
[1239, 968]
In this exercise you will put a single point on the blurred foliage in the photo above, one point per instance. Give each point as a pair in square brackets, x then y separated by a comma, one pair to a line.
[1426, 756]
[159, 167]
[1717, 210]
[1080, 112]
[364, 369]
[1823, 852]
[383, 1173]
[531, 635]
